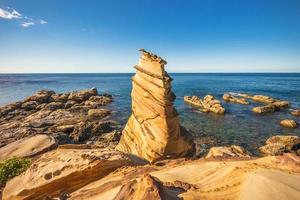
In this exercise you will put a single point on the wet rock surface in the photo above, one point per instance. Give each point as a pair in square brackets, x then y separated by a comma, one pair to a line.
[289, 123]
[79, 115]
[208, 104]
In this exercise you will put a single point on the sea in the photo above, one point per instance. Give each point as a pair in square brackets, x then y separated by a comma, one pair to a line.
[239, 125]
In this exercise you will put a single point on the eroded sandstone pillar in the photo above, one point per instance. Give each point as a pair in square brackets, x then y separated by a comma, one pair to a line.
[153, 130]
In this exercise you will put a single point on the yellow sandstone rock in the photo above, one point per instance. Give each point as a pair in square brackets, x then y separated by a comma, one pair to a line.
[153, 131]
[233, 99]
[289, 123]
[208, 104]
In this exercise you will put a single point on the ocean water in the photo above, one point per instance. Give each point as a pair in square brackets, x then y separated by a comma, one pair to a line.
[238, 126]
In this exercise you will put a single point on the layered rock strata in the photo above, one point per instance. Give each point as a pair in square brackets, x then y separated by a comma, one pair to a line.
[28, 147]
[208, 104]
[264, 178]
[225, 152]
[63, 171]
[153, 130]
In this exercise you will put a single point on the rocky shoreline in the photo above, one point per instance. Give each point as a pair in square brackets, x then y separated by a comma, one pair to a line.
[76, 151]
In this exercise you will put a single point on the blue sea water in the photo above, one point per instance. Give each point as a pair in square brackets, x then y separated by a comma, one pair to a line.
[238, 126]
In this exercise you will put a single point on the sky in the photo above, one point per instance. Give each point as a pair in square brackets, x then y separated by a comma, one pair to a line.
[97, 36]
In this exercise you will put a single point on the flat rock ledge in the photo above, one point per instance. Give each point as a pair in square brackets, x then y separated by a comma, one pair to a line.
[63, 171]
[28, 147]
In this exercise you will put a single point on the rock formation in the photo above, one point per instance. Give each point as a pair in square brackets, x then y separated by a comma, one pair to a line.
[208, 104]
[153, 131]
[225, 152]
[296, 112]
[277, 145]
[289, 123]
[264, 178]
[233, 99]
[28, 147]
[77, 115]
[63, 171]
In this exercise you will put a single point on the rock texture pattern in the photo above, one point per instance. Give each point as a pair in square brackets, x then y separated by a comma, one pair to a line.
[28, 147]
[289, 123]
[153, 130]
[208, 104]
[265, 178]
[277, 145]
[225, 152]
[77, 115]
[63, 171]
[233, 99]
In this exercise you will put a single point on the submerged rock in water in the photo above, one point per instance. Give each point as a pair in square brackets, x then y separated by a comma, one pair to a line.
[153, 131]
[28, 147]
[289, 123]
[225, 152]
[264, 109]
[276, 145]
[208, 104]
[64, 171]
[296, 112]
[233, 99]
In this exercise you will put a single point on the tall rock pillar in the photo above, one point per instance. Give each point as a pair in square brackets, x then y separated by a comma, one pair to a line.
[153, 131]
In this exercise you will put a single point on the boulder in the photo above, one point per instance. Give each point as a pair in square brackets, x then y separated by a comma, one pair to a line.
[225, 152]
[82, 95]
[96, 101]
[276, 145]
[233, 99]
[98, 113]
[289, 123]
[264, 109]
[29, 105]
[208, 104]
[55, 105]
[41, 96]
[296, 112]
[153, 131]
[262, 99]
[60, 97]
[28, 147]
[63, 171]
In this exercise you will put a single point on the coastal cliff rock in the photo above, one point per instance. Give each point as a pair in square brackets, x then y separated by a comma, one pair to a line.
[64, 171]
[233, 99]
[153, 130]
[201, 179]
[78, 114]
[208, 104]
[28, 147]
[225, 152]
[277, 145]
[289, 123]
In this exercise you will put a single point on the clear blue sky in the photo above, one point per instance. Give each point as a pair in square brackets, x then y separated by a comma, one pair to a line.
[192, 35]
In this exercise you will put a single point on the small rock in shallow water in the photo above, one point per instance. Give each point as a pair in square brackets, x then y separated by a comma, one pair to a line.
[296, 112]
[276, 145]
[289, 123]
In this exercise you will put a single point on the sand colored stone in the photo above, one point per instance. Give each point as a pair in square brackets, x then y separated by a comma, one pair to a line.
[202, 179]
[63, 171]
[225, 152]
[289, 123]
[233, 99]
[28, 147]
[208, 104]
[153, 131]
